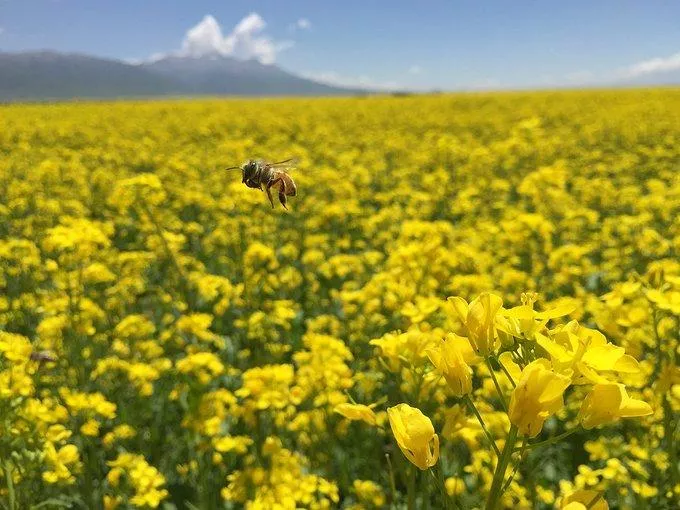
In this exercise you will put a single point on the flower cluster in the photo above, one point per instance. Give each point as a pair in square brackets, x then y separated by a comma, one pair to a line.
[473, 302]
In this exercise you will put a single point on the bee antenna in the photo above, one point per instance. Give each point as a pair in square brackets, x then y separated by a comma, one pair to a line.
[233, 168]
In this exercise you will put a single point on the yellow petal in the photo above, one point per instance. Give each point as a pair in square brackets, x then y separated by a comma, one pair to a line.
[578, 500]
[655, 296]
[631, 408]
[589, 375]
[521, 312]
[556, 351]
[68, 454]
[435, 356]
[554, 388]
[558, 311]
[513, 369]
[627, 364]
[460, 306]
[463, 346]
[603, 357]
[435, 451]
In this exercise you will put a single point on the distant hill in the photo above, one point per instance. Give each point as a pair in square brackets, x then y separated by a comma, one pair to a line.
[49, 75]
[221, 75]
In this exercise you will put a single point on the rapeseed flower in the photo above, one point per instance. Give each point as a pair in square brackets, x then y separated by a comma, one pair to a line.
[536, 397]
[451, 358]
[607, 402]
[479, 320]
[415, 435]
[195, 327]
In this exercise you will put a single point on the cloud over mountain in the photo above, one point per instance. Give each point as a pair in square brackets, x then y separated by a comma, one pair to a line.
[247, 40]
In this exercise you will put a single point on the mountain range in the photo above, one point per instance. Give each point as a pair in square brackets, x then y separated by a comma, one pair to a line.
[48, 75]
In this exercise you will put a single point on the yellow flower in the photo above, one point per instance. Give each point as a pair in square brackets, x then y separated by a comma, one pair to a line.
[61, 463]
[643, 489]
[524, 320]
[111, 503]
[608, 402]
[145, 479]
[369, 492]
[454, 486]
[669, 301]
[15, 382]
[537, 396]
[90, 428]
[238, 444]
[450, 358]
[669, 376]
[356, 412]
[15, 348]
[267, 386]
[414, 433]
[583, 500]
[123, 431]
[478, 318]
[410, 346]
[583, 353]
[205, 365]
[79, 402]
[113, 477]
[151, 497]
[198, 326]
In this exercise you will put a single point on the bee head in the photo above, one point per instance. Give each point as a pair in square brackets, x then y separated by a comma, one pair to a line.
[249, 173]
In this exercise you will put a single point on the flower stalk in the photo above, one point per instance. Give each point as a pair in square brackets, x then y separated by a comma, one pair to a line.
[499, 474]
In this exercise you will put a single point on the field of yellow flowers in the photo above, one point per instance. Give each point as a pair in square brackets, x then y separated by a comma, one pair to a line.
[472, 303]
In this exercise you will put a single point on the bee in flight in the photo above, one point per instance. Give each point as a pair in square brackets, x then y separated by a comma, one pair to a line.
[43, 357]
[258, 173]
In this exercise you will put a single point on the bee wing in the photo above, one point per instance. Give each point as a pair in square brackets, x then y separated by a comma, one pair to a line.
[288, 163]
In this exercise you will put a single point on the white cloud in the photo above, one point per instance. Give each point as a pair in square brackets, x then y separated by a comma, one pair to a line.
[653, 66]
[303, 24]
[206, 37]
[300, 24]
[246, 41]
[415, 70]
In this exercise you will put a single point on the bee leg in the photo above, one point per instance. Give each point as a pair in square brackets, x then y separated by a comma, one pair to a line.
[291, 188]
[282, 193]
[269, 193]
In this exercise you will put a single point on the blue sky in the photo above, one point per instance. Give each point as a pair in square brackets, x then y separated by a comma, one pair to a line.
[425, 44]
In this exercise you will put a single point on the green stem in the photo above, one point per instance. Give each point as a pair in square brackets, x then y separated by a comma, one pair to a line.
[553, 439]
[667, 419]
[411, 494]
[522, 451]
[6, 466]
[393, 486]
[658, 347]
[183, 279]
[498, 386]
[669, 433]
[439, 482]
[472, 407]
[501, 467]
[507, 374]
[597, 498]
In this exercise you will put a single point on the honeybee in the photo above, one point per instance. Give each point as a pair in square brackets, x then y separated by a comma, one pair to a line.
[258, 173]
[43, 356]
